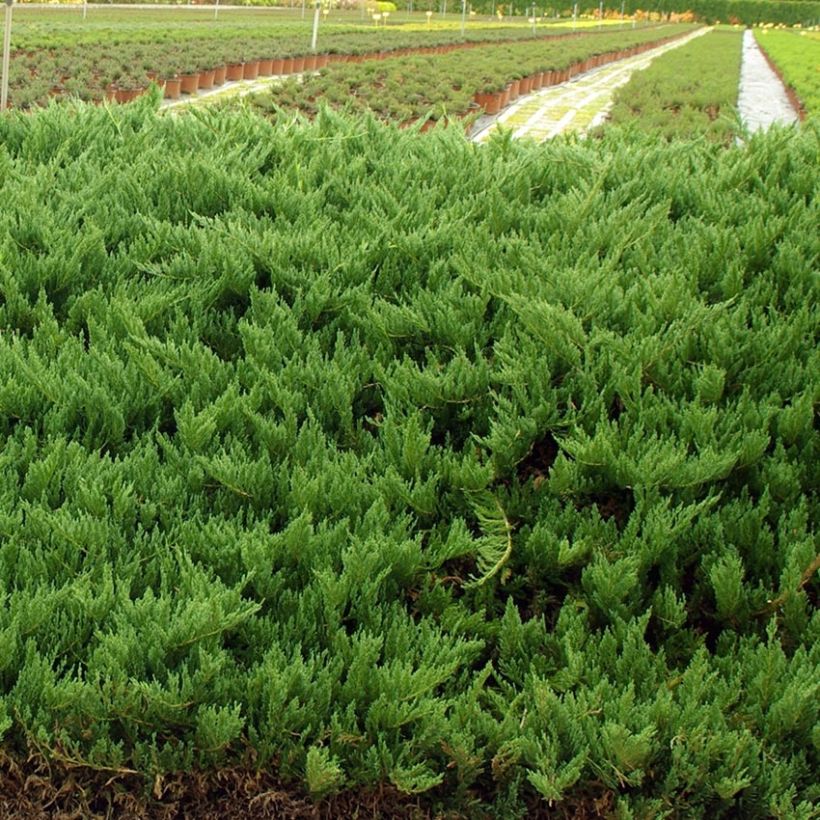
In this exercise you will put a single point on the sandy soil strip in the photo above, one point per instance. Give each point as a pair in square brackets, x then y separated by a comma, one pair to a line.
[762, 100]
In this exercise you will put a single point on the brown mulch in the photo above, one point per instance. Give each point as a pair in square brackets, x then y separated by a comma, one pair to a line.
[44, 790]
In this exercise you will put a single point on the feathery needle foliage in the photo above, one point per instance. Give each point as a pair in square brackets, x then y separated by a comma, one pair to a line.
[271, 394]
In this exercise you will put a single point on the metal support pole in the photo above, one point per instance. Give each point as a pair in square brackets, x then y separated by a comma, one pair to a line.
[463, 16]
[216, 10]
[315, 34]
[4, 94]
[303, 9]
[85, 9]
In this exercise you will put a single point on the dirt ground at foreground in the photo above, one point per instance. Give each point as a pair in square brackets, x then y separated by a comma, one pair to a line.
[36, 790]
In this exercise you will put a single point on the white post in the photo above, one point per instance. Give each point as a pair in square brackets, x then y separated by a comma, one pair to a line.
[85, 9]
[216, 10]
[303, 9]
[574, 15]
[600, 13]
[315, 35]
[463, 15]
[4, 95]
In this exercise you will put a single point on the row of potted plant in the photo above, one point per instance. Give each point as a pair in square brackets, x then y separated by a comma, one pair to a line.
[200, 70]
[413, 87]
[191, 81]
[92, 71]
[492, 99]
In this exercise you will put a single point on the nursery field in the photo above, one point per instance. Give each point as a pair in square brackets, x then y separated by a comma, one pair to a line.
[348, 469]
[687, 92]
[433, 87]
[57, 54]
[797, 57]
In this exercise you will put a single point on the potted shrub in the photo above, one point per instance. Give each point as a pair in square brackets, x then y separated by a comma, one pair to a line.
[128, 87]
[189, 78]
[234, 71]
[207, 75]
[172, 87]
[250, 67]
[490, 97]
[220, 73]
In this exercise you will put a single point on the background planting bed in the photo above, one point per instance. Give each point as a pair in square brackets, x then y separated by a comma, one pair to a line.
[478, 474]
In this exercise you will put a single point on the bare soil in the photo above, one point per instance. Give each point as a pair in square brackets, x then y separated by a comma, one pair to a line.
[44, 790]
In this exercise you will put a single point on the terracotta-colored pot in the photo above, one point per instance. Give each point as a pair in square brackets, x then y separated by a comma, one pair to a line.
[310, 62]
[490, 101]
[506, 96]
[276, 67]
[206, 78]
[525, 85]
[287, 65]
[172, 88]
[124, 95]
[250, 70]
[219, 74]
[265, 68]
[189, 83]
[234, 71]
[322, 60]
[298, 65]
[515, 90]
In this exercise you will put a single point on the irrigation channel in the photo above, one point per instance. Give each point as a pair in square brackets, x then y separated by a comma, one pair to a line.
[583, 101]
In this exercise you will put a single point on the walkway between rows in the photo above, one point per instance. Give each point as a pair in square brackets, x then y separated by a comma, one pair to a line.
[576, 105]
[762, 100]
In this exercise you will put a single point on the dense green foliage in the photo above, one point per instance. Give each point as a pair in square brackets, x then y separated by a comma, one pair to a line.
[797, 56]
[747, 12]
[687, 92]
[481, 471]
[406, 88]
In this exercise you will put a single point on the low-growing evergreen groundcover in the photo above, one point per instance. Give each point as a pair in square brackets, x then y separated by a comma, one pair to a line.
[469, 480]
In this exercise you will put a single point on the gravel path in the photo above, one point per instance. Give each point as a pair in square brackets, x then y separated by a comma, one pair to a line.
[762, 100]
[576, 105]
